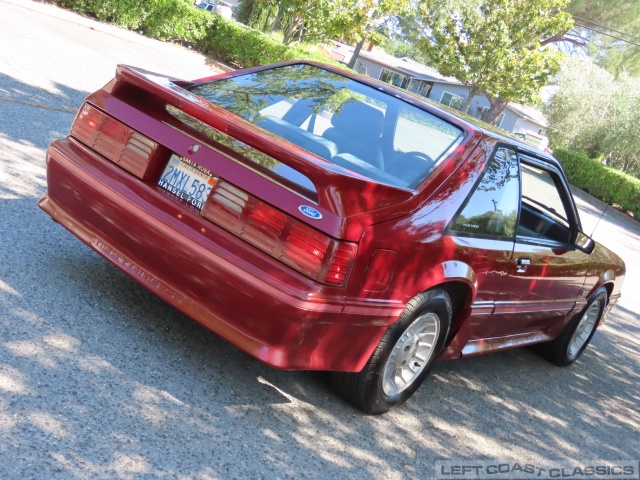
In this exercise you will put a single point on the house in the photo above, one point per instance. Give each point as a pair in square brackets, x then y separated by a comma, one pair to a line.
[423, 80]
[219, 7]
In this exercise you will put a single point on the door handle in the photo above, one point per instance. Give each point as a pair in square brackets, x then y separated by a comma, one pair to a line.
[522, 264]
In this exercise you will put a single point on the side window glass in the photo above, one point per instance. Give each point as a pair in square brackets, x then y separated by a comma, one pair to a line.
[492, 209]
[543, 214]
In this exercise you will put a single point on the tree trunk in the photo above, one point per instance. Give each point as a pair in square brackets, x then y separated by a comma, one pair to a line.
[356, 52]
[290, 33]
[467, 103]
[246, 11]
[497, 106]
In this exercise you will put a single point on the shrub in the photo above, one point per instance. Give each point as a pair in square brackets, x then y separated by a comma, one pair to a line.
[608, 184]
[179, 21]
[596, 113]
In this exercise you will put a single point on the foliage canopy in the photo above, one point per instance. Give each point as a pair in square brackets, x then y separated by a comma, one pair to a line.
[621, 15]
[317, 20]
[597, 114]
[494, 46]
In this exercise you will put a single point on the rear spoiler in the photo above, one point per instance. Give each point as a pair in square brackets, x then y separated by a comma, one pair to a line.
[339, 190]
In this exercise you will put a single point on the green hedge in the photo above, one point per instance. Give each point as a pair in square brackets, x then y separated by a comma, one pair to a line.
[179, 21]
[608, 184]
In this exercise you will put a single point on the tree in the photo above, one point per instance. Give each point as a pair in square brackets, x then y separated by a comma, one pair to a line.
[597, 114]
[494, 47]
[298, 19]
[601, 21]
[400, 48]
[362, 18]
[316, 20]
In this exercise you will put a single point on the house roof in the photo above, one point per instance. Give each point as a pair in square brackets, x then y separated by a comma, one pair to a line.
[409, 66]
[529, 113]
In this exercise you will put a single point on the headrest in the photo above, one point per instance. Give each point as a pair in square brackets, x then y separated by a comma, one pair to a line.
[359, 119]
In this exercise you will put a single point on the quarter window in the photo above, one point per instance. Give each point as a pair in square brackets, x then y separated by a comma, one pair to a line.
[492, 209]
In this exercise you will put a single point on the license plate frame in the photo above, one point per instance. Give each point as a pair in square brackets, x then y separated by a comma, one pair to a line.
[187, 180]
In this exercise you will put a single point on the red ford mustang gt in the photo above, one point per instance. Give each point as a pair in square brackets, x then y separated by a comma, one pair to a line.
[321, 220]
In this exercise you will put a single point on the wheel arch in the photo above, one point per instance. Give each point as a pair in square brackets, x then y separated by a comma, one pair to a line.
[606, 280]
[462, 296]
[458, 279]
[609, 287]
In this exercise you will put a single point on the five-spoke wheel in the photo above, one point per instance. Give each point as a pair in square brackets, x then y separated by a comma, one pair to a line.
[575, 337]
[403, 358]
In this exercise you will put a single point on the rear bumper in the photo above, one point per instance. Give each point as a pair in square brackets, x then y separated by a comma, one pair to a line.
[254, 302]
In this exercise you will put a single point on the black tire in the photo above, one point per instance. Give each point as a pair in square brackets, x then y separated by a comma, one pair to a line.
[563, 351]
[365, 389]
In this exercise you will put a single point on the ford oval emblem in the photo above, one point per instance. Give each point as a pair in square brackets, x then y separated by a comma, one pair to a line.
[310, 212]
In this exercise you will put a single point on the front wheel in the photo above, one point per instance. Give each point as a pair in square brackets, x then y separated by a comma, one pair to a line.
[576, 336]
[403, 358]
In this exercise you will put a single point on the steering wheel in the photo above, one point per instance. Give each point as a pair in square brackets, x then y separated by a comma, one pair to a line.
[409, 166]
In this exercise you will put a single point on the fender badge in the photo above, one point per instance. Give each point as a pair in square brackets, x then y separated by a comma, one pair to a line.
[310, 212]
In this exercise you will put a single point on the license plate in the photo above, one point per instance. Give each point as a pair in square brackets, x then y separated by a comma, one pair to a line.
[187, 180]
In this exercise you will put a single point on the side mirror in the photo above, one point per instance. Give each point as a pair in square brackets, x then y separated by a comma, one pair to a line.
[585, 242]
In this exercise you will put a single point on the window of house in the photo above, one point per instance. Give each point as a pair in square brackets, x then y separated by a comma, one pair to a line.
[454, 101]
[481, 111]
[393, 78]
[419, 87]
[499, 120]
[425, 88]
[492, 209]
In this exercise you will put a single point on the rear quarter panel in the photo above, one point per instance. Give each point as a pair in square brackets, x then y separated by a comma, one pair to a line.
[605, 268]
[425, 258]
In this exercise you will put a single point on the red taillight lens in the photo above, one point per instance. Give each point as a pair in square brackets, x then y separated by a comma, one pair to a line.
[301, 247]
[343, 257]
[114, 140]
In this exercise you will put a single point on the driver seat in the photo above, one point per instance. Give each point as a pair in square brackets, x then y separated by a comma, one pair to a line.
[356, 129]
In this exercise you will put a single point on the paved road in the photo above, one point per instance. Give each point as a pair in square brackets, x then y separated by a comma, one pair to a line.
[100, 379]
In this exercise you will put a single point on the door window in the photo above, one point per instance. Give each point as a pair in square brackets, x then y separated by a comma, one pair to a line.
[543, 213]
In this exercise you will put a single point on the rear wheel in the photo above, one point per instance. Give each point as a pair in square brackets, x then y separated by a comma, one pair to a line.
[403, 358]
[576, 336]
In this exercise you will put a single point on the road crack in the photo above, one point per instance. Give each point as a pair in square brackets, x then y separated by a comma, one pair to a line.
[38, 105]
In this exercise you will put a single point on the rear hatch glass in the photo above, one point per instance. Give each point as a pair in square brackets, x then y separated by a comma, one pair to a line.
[364, 130]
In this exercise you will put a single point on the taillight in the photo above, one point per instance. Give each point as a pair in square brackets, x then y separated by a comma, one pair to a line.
[342, 258]
[306, 250]
[114, 140]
